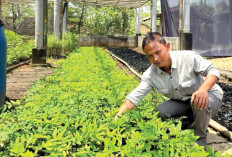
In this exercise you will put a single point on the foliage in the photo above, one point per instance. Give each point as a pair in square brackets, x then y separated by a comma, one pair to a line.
[19, 48]
[98, 20]
[59, 48]
[23, 10]
[212, 153]
[15, 14]
[71, 113]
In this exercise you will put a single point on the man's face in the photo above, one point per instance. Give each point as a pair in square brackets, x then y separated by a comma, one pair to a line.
[157, 54]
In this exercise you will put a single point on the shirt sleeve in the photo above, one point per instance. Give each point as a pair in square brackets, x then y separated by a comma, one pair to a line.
[137, 94]
[204, 67]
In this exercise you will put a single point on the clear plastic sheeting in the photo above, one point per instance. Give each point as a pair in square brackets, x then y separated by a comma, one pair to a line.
[210, 24]
[116, 3]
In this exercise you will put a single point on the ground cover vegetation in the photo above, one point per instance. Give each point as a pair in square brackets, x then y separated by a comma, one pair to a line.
[57, 48]
[19, 48]
[71, 113]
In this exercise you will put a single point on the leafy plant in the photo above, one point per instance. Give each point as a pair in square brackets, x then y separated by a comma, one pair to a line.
[71, 113]
[61, 48]
[19, 48]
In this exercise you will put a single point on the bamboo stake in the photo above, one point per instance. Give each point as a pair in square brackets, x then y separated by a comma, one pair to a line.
[221, 129]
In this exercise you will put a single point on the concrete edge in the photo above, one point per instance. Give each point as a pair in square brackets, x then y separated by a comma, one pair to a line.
[17, 65]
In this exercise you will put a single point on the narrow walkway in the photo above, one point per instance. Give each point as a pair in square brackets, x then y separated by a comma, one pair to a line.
[20, 79]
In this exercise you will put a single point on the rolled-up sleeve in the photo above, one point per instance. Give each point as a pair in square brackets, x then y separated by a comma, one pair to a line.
[204, 67]
[137, 94]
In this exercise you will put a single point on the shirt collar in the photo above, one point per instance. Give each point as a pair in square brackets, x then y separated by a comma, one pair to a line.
[173, 58]
[159, 71]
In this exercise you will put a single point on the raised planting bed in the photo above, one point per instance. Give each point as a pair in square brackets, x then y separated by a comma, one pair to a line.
[71, 113]
[140, 63]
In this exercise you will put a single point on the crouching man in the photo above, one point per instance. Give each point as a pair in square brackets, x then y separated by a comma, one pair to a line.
[183, 76]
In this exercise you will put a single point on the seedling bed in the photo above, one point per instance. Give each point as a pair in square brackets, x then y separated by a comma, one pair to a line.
[71, 113]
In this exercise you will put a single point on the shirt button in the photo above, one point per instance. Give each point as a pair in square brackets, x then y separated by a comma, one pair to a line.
[175, 88]
[181, 97]
[171, 77]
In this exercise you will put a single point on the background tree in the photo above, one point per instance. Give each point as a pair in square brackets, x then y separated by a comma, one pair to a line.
[99, 20]
[14, 14]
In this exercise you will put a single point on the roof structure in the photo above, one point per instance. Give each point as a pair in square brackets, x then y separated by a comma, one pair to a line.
[116, 3]
[23, 1]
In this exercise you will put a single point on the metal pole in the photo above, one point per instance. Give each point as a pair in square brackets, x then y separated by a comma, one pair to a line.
[57, 18]
[39, 24]
[180, 15]
[65, 17]
[153, 15]
[186, 16]
[138, 21]
[45, 22]
[39, 52]
[61, 17]
[180, 21]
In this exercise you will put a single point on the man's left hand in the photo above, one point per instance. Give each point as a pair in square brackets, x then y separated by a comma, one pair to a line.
[200, 99]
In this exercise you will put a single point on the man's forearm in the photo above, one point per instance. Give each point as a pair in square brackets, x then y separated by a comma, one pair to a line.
[208, 83]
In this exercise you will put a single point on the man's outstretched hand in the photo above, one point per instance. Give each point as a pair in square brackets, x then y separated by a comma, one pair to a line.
[127, 105]
[116, 116]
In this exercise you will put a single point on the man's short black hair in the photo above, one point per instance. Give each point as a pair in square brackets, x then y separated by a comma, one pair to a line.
[151, 36]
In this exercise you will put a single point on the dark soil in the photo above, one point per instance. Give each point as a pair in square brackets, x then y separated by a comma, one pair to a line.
[140, 63]
[135, 60]
[224, 116]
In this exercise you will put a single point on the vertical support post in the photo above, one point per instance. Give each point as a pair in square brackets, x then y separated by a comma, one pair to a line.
[65, 17]
[185, 37]
[138, 21]
[161, 24]
[39, 24]
[137, 25]
[180, 21]
[39, 52]
[153, 15]
[45, 22]
[180, 15]
[57, 18]
[61, 18]
[186, 16]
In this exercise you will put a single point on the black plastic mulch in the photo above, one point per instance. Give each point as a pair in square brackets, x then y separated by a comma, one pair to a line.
[140, 63]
